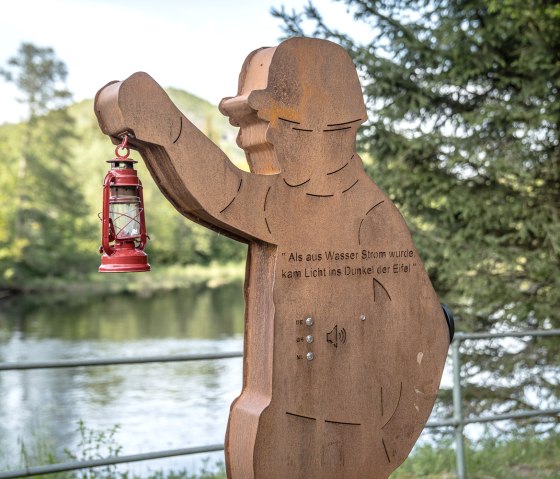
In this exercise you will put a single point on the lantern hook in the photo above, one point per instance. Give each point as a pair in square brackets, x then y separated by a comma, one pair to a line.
[123, 146]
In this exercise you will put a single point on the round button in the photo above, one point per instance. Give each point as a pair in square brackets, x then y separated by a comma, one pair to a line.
[310, 356]
[309, 338]
[309, 321]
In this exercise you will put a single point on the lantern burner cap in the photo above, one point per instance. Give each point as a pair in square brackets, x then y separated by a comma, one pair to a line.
[122, 162]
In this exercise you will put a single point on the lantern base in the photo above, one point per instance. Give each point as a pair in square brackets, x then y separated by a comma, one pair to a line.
[125, 261]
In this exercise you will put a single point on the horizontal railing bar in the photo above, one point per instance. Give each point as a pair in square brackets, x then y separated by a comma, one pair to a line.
[512, 415]
[498, 417]
[11, 366]
[108, 461]
[114, 460]
[511, 334]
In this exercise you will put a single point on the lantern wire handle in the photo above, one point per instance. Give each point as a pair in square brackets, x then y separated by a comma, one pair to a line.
[123, 146]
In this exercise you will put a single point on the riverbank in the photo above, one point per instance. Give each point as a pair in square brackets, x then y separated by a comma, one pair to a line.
[163, 278]
[526, 456]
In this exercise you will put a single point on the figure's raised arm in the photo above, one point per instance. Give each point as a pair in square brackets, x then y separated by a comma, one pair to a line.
[191, 171]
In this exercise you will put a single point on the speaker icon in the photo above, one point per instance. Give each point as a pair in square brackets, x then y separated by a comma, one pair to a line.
[336, 335]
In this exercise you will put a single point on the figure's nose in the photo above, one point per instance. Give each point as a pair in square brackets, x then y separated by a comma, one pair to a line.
[236, 109]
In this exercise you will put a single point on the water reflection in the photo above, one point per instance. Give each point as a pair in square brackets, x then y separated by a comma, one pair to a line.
[158, 406]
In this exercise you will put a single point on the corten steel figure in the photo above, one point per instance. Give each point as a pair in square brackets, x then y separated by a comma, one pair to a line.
[345, 339]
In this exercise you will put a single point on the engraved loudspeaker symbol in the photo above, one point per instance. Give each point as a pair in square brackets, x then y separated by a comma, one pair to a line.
[336, 335]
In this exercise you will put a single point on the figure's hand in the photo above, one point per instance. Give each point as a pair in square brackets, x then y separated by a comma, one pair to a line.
[140, 106]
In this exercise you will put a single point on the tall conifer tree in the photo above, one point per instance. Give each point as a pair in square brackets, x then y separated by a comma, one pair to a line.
[464, 125]
[50, 210]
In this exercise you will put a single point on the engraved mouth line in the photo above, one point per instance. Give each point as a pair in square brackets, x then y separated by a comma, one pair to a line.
[296, 185]
[319, 196]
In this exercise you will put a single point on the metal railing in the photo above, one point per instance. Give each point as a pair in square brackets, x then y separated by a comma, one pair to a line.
[457, 421]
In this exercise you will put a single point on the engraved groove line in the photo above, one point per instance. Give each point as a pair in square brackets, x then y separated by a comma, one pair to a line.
[300, 129]
[301, 416]
[266, 197]
[385, 448]
[351, 186]
[290, 121]
[343, 423]
[180, 129]
[299, 184]
[395, 410]
[359, 231]
[267, 227]
[345, 123]
[264, 208]
[341, 168]
[384, 289]
[236, 195]
[374, 206]
[319, 196]
[362, 222]
[339, 129]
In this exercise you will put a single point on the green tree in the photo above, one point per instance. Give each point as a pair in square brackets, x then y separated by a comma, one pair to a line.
[48, 211]
[463, 131]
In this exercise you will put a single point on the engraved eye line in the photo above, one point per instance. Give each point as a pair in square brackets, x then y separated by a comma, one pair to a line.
[329, 125]
[339, 129]
[345, 123]
[290, 121]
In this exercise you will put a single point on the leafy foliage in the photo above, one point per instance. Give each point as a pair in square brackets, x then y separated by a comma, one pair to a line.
[464, 124]
[53, 168]
[517, 457]
[43, 201]
[95, 445]
[99, 445]
[511, 457]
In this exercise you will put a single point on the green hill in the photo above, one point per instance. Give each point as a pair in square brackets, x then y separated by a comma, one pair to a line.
[175, 240]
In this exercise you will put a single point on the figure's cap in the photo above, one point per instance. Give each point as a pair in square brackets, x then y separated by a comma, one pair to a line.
[305, 80]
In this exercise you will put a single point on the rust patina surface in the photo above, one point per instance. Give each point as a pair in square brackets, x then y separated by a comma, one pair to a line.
[345, 339]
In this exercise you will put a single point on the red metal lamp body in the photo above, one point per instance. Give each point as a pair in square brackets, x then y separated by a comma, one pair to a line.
[123, 230]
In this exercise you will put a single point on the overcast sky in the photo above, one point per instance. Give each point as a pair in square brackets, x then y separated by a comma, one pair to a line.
[195, 45]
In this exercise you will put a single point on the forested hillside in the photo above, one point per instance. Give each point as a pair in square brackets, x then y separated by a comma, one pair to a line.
[62, 198]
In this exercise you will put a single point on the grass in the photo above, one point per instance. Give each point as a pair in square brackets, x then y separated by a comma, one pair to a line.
[94, 445]
[527, 456]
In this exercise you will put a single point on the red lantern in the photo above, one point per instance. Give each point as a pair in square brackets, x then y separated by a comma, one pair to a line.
[123, 231]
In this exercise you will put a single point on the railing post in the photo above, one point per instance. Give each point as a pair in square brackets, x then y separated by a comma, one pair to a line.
[458, 409]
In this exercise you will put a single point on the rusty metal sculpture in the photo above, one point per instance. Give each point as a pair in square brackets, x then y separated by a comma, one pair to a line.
[345, 339]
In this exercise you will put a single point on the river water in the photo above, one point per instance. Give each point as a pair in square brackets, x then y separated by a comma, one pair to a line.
[157, 406]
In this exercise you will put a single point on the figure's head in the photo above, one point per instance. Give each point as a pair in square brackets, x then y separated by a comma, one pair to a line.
[305, 84]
